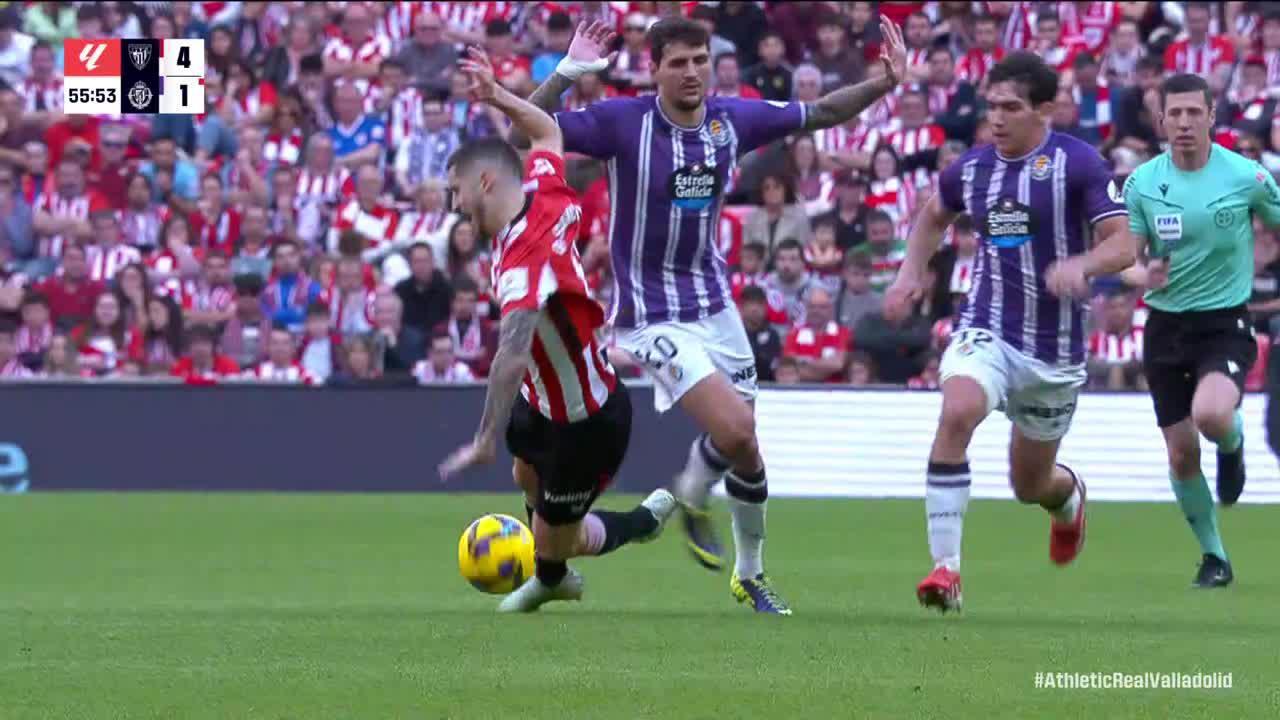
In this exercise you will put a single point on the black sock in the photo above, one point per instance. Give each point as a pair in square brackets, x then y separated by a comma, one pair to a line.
[528, 512]
[551, 572]
[749, 488]
[621, 528]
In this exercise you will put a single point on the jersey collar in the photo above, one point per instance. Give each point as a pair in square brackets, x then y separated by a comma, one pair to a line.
[673, 125]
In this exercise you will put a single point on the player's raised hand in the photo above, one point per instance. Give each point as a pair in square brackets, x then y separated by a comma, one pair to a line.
[477, 452]
[586, 52]
[901, 297]
[481, 85]
[893, 50]
[1067, 279]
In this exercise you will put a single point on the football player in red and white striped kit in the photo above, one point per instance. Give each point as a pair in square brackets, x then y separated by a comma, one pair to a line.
[566, 415]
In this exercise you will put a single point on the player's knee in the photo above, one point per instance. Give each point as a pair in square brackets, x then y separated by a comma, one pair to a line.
[736, 438]
[1211, 419]
[961, 415]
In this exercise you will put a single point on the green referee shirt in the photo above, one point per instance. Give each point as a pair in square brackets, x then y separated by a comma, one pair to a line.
[1203, 222]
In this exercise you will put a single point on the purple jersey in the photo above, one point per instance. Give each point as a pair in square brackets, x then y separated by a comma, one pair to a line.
[1028, 213]
[666, 186]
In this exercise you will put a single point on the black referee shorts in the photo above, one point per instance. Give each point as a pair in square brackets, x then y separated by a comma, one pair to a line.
[1178, 349]
[576, 461]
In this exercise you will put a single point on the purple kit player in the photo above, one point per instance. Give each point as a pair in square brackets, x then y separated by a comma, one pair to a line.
[671, 160]
[1036, 197]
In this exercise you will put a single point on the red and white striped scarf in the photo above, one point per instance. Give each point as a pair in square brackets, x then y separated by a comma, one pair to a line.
[141, 229]
[285, 149]
[42, 96]
[104, 263]
[57, 205]
[329, 187]
[468, 345]
[422, 224]
[403, 116]
[351, 313]
[425, 372]
[15, 369]
[200, 296]
[27, 340]
[292, 373]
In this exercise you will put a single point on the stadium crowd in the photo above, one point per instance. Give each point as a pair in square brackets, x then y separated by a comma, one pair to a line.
[299, 229]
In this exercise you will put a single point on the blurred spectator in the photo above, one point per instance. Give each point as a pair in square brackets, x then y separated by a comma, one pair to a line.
[110, 180]
[202, 363]
[766, 346]
[985, 53]
[35, 334]
[789, 279]
[743, 24]
[798, 23]
[105, 340]
[15, 48]
[290, 291]
[896, 348]
[1092, 100]
[1200, 53]
[354, 56]
[108, 253]
[11, 366]
[426, 294]
[862, 369]
[401, 346]
[953, 102]
[631, 72]
[17, 234]
[1115, 349]
[466, 257]
[820, 345]
[426, 153]
[559, 34]
[815, 188]
[210, 298]
[357, 362]
[753, 272]
[727, 79]
[395, 102]
[428, 58]
[917, 133]
[705, 16]
[372, 220]
[318, 353]
[253, 255]
[141, 218]
[840, 65]
[850, 212]
[135, 292]
[183, 184]
[1120, 61]
[441, 365]
[72, 293]
[928, 379]
[1264, 302]
[1058, 52]
[475, 339]
[63, 216]
[245, 337]
[787, 372]
[856, 298]
[282, 64]
[357, 137]
[823, 256]
[16, 130]
[63, 359]
[162, 336]
[351, 302]
[885, 251]
[778, 218]
[428, 222]
[806, 83]
[280, 365]
[178, 259]
[771, 77]
[513, 70]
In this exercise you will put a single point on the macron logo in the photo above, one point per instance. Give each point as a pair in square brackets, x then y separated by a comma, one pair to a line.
[90, 54]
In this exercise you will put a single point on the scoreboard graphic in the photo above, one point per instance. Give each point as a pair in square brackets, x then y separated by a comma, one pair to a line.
[131, 77]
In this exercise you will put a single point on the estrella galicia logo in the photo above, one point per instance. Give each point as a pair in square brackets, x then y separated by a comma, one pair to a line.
[1009, 224]
[694, 187]
[14, 476]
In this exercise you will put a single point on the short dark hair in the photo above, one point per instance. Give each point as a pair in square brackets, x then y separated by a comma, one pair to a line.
[34, 297]
[392, 62]
[492, 149]
[8, 326]
[940, 49]
[1185, 83]
[1150, 62]
[419, 246]
[248, 284]
[1271, 16]
[464, 284]
[703, 12]
[283, 242]
[558, 21]
[1084, 60]
[989, 19]
[753, 293]
[861, 261]
[1030, 73]
[440, 335]
[497, 28]
[878, 215]
[317, 308]
[675, 30]
[757, 248]
[715, 64]
[788, 244]
[771, 34]
[200, 333]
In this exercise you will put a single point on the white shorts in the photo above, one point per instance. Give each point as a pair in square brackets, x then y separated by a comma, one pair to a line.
[1038, 397]
[678, 355]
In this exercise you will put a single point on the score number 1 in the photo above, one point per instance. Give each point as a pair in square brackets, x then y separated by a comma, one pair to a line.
[182, 68]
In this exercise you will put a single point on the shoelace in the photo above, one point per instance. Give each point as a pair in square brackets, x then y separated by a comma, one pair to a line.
[766, 592]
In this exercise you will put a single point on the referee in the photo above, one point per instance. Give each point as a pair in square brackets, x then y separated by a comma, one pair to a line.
[1194, 205]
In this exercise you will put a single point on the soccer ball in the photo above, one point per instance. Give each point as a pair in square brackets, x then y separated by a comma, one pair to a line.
[495, 554]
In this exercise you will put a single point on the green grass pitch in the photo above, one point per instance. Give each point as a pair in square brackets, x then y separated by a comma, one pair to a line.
[308, 607]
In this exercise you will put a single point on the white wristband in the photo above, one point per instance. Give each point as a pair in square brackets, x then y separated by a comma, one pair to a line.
[574, 69]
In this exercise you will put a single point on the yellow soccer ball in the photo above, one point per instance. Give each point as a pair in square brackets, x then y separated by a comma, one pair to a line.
[495, 554]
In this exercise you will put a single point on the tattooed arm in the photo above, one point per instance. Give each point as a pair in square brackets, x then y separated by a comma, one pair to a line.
[515, 346]
[547, 96]
[839, 106]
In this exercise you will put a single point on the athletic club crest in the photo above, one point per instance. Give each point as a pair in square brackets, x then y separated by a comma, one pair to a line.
[140, 55]
[719, 133]
[1041, 167]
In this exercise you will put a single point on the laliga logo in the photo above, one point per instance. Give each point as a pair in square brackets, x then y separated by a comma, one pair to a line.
[90, 54]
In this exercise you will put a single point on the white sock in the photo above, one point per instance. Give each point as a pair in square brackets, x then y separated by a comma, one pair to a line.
[946, 498]
[747, 500]
[706, 465]
[1067, 513]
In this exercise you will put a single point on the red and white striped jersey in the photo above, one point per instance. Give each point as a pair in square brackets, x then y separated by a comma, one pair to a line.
[1102, 98]
[940, 97]
[1123, 65]
[376, 226]
[15, 370]
[1062, 57]
[402, 117]
[962, 274]
[1203, 59]
[1116, 349]
[1272, 59]
[104, 263]
[142, 229]
[975, 64]
[917, 57]
[425, 373]
[537, 267]
[291, 373]
[81, 207]
[41, 96]
[373, 49]
[729, 236]
[217, 234]
[1018, 32]
[331, 187]
[909, 142]
[351, 313]
[199, 296]
[282, 148]
[417, 226]
[852, 136]
[471, 17]
[27, 340]
[1092, 27]
[257, 98]
[397, 22]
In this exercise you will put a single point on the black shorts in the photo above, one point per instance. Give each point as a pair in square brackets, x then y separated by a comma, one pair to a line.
[575, 462]
[1180, 348]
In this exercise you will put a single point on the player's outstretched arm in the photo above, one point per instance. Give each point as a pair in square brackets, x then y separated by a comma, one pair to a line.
[585, 54]
[515, 351]
[838, 106]
[539, 127]
[926, 235]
